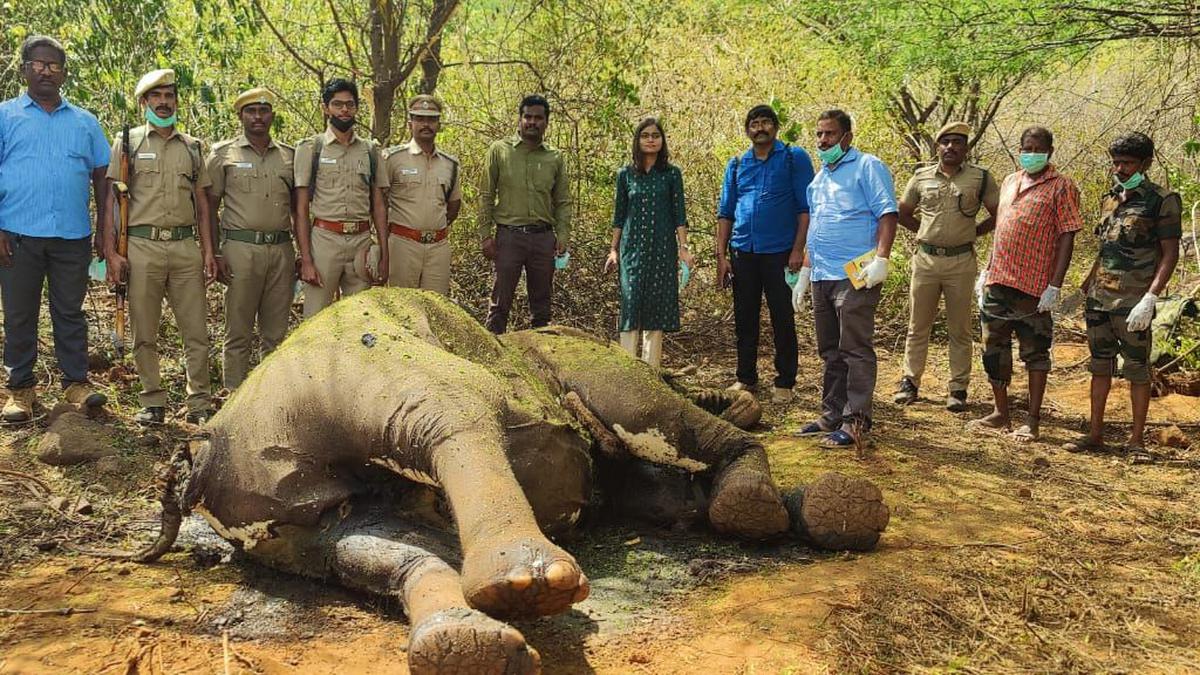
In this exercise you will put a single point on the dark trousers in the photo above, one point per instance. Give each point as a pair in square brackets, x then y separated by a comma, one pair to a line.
[756, 275]
[61, 264]
[845, 325]
[534, 253]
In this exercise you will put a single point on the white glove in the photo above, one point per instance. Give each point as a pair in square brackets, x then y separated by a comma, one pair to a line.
[980, 284]
[874, 273]
[1049, 299]
[1142, 313]
[801, 288]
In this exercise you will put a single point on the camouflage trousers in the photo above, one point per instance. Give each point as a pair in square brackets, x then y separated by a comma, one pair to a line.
[1108, 336]
[1006, 311]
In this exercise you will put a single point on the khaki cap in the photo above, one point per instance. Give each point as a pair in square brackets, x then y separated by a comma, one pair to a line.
[425, 105]
[252, 96]
[155, 78]
[960, 128]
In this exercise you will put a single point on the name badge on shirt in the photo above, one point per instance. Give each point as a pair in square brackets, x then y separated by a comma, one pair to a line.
[328, 160]
[243, 165]
[147, 155]
[408, 172]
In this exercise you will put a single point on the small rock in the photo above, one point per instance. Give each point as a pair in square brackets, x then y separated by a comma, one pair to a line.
[58, 503]
[1025, 493]
[1041, 463]
[82, 506]
[123, 571]
[29, 508]
[46, 545]
[368, 340]
[74, 439]
[639, 657]
[109, 466]
[1172, 437]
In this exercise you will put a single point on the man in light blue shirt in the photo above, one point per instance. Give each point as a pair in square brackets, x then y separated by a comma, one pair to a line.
[854, 212]
[49, 151]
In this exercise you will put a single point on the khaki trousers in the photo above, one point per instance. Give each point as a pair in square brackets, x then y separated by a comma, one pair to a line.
[651, 340]
[173, 270]
[416, 265]
[934, 277]
[333, 254]
[263, 276]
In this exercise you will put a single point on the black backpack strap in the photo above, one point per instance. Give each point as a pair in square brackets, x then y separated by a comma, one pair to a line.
[318, 145]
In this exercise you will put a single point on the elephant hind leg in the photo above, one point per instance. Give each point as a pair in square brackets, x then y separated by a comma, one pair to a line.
[745, 502]
[386, 555]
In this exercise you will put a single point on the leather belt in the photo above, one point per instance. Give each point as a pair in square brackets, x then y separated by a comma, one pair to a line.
[527, 229]
[351, 227]
[258, 237]
[162, 233]
[422, 236]
[947, 251]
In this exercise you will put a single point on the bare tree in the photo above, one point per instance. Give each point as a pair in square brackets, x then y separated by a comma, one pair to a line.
[392, 37]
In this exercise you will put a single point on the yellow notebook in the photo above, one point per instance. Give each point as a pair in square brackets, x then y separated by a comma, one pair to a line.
[857, 265]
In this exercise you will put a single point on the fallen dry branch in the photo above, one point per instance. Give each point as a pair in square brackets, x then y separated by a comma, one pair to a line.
[61, 611]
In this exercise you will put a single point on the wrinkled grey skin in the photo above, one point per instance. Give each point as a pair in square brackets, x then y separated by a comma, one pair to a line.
[306, 466]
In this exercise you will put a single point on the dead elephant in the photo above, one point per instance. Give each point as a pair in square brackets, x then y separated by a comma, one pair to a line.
[300, 466]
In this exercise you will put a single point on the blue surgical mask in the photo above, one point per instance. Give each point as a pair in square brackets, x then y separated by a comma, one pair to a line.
[561, 260]
[685, 273]
[1034, 162]
[160, 122]
[832, 154]
[1134, 181]
[791, 278]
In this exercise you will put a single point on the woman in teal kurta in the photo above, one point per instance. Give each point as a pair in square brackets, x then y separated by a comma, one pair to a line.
[649, 241]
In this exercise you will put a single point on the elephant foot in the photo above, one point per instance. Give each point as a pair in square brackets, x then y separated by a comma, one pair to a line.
[464, 641]
[522, 578]
[746, 504]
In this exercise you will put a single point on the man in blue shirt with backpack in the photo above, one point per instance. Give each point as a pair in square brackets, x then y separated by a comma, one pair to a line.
[762, 224]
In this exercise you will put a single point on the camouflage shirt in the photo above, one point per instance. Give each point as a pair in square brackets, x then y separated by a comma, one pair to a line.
[1129, 234]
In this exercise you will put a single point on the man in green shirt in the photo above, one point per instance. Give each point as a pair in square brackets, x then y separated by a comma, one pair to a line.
[524, 215]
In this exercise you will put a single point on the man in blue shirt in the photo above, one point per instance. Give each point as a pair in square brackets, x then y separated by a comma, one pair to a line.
[762, 223]
[854, 213]
[49, 151]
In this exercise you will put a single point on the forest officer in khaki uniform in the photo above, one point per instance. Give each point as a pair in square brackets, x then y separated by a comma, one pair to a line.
[336, 211]
[941, 204]
[252, 180]
[423, 200]
[168, 198]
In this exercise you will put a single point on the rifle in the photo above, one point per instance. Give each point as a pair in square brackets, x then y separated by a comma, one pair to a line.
[121, 192]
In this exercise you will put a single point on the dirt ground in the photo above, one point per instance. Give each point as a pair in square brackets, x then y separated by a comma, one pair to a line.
[999, 558]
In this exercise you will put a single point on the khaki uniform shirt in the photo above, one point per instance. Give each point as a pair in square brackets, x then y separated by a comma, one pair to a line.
[524, 187]
[162, 173]
[421, 186]
[343, 190]
[255, 190]
[948, 206]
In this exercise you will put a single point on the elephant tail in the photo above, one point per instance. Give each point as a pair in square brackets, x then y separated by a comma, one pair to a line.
[167, 483]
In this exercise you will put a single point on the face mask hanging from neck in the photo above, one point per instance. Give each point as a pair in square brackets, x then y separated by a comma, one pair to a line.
[1131, 184]
[832, 154]
[160, 122]
[341, 124]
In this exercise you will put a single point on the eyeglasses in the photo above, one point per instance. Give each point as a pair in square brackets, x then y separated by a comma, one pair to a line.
[650, 136]
[761, 124]
[343, 105]
[53, 67]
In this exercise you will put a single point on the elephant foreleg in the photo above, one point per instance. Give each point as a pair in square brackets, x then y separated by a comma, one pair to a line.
[386, 555]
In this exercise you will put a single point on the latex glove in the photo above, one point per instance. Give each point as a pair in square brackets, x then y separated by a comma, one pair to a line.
[875, 272]
[801, 288]
[1142, 313]
[980, 285]
[1049, 299]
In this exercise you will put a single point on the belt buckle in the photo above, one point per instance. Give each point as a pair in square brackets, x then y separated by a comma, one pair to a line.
[268, 237]
[164, 234]
[349, 228]
[428, 236]
[940, 250]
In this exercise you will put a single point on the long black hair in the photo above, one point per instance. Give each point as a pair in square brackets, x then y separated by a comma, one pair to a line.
[664, 156]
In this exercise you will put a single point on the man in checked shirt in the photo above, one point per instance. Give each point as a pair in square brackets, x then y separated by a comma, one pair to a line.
[1035, 235]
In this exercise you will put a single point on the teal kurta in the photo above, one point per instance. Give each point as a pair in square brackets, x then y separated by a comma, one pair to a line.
[648, 209]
